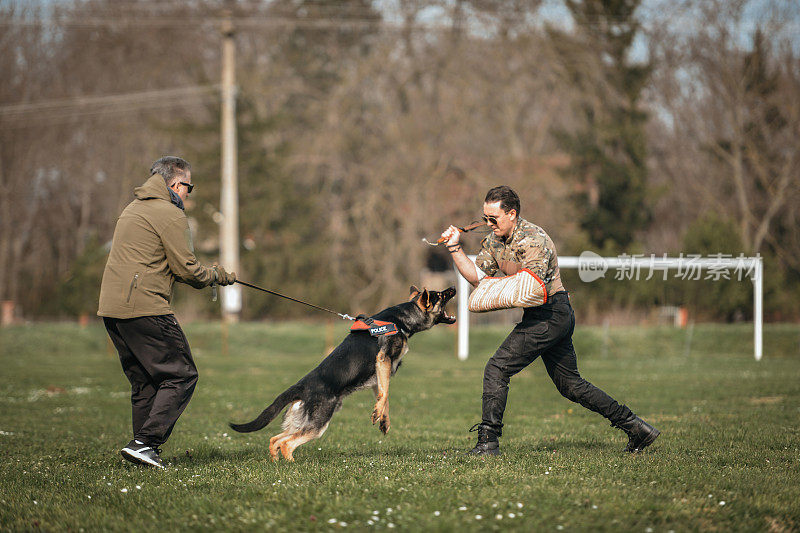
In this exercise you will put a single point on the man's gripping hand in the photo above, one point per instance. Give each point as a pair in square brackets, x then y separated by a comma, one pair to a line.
[451, 236]
[222, 277]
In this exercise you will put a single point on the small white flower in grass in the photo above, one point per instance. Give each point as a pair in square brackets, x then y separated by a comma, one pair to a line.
[519, 505]
[710, 495]
[123, 490]
[109, 484]
[436, 513]
[342, 524]
[35, 502]
[478, 517]
[594, 507]
[512, 515]
[648, 530]
[388, 510]
[375, 512]
[89, 496]
[498, 517]
[722, 502]
[370, 522]
[332, 520]
[138, 487]
[390, 525]
[386, 478]
[462, 508]
[559, 527]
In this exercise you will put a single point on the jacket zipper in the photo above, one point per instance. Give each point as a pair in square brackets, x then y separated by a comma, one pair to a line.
[134, 284]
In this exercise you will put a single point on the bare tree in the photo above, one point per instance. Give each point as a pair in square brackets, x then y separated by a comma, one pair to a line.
[727, 99]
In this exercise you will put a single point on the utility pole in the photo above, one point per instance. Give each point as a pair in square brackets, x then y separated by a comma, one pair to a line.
[229, 195]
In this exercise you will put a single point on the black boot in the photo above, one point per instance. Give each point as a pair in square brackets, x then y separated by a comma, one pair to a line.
[640, 433]
[487, 441]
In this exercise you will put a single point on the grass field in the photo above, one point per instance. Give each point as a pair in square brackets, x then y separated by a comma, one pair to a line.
[728, 457]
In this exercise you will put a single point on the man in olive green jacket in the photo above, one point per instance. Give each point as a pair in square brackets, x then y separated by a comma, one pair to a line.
[151, 249]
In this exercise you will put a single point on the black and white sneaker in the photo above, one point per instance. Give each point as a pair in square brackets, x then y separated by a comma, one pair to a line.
[141, 454]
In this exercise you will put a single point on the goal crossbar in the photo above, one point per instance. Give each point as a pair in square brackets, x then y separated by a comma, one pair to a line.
[753, 265]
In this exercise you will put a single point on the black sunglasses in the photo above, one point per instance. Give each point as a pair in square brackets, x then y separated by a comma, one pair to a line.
[490, 220]
[189, 186]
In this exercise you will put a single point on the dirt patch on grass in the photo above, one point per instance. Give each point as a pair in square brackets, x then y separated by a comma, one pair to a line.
[766, 400]
[779, 525]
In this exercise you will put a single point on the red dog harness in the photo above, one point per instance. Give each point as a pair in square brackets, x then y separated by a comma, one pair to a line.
[376, 328]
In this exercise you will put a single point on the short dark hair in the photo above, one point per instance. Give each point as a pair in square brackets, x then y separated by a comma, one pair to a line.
[505, 195]
[170, 168]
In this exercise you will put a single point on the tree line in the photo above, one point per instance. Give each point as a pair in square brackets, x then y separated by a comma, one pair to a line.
[626, 127]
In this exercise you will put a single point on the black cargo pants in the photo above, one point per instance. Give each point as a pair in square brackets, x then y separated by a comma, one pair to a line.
[544, 331]
[156, 359]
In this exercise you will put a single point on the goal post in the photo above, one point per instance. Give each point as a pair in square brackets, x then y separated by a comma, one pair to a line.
[592, 266]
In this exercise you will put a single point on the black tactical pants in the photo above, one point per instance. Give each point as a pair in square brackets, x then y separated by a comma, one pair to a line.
[544, 331]
[156, 359]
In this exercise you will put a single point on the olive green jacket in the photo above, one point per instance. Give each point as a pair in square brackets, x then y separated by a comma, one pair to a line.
[152, 248]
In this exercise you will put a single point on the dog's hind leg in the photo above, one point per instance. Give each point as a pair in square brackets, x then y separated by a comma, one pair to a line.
[293, 422]
[289, 445]
[275, 442]
[315, 425]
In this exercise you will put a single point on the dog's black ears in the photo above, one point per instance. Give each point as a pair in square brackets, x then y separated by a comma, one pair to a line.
[413, 293]
[424, 301]
[422, 298]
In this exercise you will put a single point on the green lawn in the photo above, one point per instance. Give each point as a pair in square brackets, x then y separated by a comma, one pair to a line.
[728, 457]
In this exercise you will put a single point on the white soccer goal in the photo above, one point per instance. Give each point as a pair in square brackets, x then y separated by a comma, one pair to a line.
[716, 267]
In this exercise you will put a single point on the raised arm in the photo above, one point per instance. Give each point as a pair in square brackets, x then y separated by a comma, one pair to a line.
[460, 259]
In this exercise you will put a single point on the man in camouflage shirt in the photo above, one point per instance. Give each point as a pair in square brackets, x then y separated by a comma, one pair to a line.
[545, 330]
[529, 247]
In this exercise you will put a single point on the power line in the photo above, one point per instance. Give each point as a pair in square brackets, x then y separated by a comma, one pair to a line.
[115, 100]
[264, 22]
[176, 22]
[61, 111]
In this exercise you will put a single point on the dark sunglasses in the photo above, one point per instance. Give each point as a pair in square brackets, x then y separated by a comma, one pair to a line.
[189, 186]
[490, 220]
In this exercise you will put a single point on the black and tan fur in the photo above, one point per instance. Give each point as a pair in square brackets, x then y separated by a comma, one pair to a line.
[360, 361]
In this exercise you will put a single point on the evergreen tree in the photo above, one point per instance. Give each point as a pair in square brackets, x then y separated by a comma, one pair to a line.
[608, 152]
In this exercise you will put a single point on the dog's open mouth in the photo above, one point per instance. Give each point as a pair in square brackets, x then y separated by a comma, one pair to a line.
[448, 319]
[447, 295]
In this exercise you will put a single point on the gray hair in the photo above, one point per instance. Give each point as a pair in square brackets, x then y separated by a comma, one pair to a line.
[171, 168]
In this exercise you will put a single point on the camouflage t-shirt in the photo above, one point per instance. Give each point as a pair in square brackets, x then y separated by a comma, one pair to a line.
[529, 247]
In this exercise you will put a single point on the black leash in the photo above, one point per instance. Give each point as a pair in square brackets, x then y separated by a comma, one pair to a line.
[344, 316]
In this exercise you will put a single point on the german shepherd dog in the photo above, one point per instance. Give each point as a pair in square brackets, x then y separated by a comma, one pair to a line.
[360, 361]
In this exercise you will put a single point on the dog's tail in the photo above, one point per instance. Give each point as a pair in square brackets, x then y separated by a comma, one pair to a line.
[268, 415]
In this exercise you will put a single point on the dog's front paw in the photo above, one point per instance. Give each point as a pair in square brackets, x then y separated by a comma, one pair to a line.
[379, 412]
[376, 415]
[384, 424]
